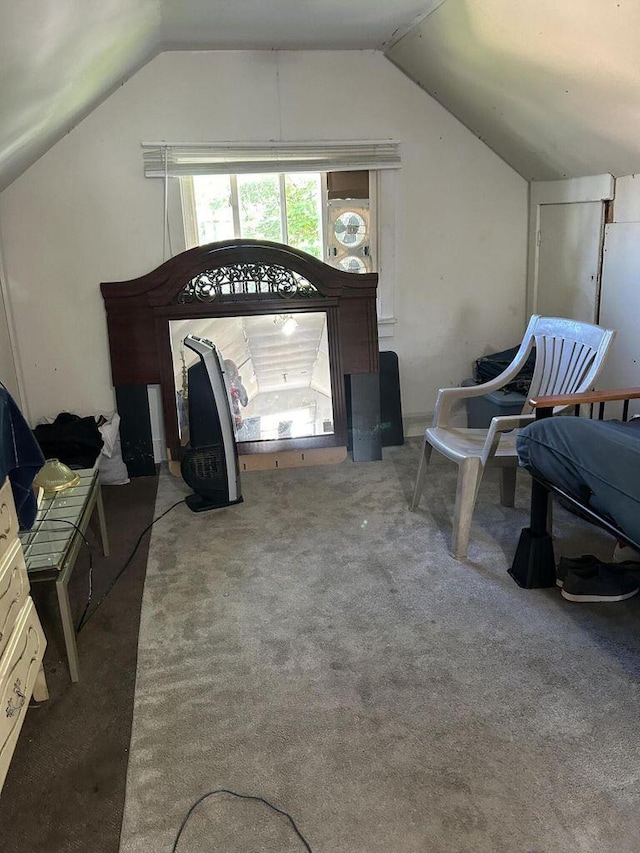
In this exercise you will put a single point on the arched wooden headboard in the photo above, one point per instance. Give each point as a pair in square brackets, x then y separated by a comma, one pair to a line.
[240, 278]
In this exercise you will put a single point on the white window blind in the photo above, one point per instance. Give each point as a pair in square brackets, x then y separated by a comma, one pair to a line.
[173, 160]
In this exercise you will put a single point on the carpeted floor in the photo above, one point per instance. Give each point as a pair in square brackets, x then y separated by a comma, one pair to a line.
[65, 787]
[317, 646]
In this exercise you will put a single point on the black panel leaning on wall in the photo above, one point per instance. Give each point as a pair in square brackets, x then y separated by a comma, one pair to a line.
[390, 403]
[363, 416]
[135, 430]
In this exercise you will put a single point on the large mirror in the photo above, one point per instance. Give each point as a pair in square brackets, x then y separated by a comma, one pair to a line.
[243, 295]
[277, 368]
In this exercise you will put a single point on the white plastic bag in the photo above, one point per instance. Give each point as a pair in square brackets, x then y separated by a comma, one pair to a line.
[113, 471]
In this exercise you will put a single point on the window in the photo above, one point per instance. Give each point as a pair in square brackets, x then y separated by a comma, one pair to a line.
[325, 215]
[358, 183]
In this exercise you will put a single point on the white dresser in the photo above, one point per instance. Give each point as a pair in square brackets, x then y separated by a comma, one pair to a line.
[22, 641]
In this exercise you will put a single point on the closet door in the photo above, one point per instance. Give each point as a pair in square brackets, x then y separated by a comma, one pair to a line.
[569, 260]
[566, 228]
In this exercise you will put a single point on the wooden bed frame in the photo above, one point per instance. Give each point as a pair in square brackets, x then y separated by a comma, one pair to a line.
[534, 564]
[240, 278]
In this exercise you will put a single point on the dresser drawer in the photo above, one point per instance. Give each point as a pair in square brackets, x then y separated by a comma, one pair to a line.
[14, 590]
[8, 519]
[18, 671]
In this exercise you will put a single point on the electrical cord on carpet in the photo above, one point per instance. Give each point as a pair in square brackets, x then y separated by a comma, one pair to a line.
[87, 615]
[240, 797]
[88, 544]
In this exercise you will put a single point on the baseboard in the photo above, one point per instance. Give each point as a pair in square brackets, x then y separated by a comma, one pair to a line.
[292, 458]
[414, 425]
[284, 459]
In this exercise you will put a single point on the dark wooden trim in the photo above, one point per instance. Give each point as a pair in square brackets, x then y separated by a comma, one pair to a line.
[605, 396]
[139, 312]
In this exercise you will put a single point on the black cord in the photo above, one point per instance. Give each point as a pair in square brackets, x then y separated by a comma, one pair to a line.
[241, 797]
[88, 544]
[86, 616]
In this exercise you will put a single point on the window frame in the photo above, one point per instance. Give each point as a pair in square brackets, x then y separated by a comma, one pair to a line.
[181, 229]
[190, 217]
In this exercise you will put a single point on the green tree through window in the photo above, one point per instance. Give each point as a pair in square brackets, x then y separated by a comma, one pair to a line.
[262, 203]
[304, 213]
[259, 200]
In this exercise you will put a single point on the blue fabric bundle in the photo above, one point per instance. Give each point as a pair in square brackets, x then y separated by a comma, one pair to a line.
[20, 458]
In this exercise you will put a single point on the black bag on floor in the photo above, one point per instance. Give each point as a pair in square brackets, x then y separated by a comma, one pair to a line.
[73, 440]
[490, 366]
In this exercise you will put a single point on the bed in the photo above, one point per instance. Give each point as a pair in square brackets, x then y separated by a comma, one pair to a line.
[592, 464]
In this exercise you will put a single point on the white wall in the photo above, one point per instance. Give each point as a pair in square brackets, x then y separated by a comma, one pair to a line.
[8, 373]
[84, 212]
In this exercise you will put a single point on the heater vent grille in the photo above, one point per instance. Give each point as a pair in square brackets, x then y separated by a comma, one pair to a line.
[207, 463]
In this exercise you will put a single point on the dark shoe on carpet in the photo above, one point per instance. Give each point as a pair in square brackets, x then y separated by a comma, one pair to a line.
[587, 564]
[599, 583]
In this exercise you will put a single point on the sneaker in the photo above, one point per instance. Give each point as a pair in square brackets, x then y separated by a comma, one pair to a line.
[601, 583]
[578, 565]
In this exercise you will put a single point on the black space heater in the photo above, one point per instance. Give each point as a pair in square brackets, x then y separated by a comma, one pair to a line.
[209, 464]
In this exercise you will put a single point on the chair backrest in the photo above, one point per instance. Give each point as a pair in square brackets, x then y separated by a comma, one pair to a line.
[569, 355]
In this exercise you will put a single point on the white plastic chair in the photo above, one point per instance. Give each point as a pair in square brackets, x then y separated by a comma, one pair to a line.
[569, 358]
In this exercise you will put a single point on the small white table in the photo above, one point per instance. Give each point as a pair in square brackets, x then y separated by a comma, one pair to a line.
[52, 545]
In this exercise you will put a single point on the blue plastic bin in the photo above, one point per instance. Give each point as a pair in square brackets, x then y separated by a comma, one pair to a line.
[480, 410]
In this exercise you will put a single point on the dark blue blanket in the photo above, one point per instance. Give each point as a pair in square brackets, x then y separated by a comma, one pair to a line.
[597, 462]
[20, 458]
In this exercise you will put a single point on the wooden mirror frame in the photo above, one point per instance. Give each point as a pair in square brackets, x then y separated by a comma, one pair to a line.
[139, 312]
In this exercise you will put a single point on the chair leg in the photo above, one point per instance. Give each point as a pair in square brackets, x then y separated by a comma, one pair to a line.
[469, 476]
[425, 458]
[508, 486]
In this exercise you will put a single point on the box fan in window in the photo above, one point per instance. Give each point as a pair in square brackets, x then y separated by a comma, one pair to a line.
[349, 235]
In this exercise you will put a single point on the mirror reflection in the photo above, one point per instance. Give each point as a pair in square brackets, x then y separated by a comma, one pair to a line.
[276, 368]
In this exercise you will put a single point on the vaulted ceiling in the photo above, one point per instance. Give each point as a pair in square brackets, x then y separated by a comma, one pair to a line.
[553, 88]
[60, 58]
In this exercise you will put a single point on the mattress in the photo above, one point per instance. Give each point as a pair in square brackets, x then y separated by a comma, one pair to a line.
[597, 462]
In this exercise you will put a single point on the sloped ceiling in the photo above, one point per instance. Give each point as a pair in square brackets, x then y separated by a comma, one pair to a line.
[60, 58]
[289, 24]
[267, 358]
[552, 87]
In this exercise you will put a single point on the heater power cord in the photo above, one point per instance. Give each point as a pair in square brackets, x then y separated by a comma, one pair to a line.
[206, 796]
[86, 615]
[89, 551]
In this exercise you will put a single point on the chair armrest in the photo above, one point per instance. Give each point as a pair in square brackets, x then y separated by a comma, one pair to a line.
[503, 423]
[448, 396]
[606, 396]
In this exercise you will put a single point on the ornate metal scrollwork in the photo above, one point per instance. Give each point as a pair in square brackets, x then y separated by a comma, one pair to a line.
[12, 709]
[245, 281]
[4, 511]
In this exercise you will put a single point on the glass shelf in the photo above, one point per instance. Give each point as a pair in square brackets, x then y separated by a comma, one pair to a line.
[47, 543]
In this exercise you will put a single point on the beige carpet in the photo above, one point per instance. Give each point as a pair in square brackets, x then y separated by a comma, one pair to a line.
[317, 646]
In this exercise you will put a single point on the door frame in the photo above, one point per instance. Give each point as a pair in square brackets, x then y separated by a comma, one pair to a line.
[568, 191]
